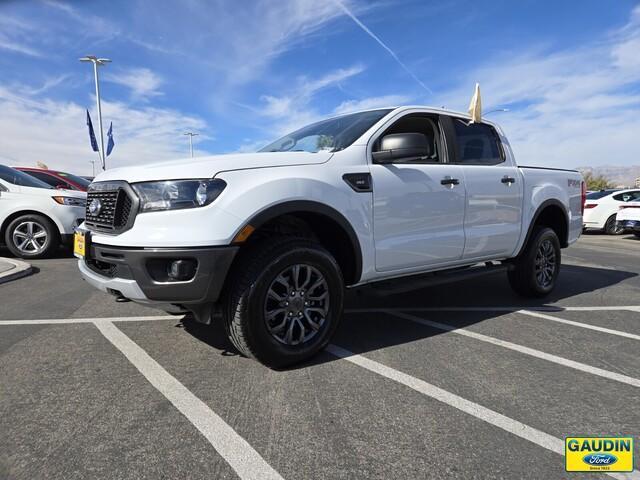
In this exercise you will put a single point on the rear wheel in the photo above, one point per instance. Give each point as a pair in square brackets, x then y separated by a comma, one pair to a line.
[536, 269]
[611, 227]
[32, 236]
[637, 234]
[285, 301]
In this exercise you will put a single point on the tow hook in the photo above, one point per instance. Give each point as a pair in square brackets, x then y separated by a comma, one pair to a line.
[119, 297]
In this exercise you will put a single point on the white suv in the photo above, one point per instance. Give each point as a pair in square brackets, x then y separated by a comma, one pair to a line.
[35, 217]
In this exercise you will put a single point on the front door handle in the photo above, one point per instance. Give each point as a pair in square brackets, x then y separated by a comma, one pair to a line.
[508, 180]
[449, 181]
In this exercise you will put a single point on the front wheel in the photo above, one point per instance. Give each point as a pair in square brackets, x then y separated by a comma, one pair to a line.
[285, 301]
[32, 236]
[536, 270]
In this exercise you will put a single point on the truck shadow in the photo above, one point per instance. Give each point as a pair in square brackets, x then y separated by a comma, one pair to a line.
[366, 326]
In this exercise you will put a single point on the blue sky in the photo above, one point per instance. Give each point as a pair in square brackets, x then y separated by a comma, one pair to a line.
[241, 73]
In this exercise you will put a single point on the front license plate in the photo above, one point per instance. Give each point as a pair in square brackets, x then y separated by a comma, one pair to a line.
[79, 244]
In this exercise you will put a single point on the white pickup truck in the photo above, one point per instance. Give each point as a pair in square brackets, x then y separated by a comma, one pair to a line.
[266, 242]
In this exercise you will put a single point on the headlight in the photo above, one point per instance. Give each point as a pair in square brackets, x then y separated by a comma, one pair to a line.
[177, 194]
[71, 201]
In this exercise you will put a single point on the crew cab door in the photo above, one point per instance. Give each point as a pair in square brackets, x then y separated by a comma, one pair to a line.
[493, 213]
[418, 200]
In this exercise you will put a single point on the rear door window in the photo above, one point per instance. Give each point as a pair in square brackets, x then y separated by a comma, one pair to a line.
[628, 196]
[476, 143]
[51, 180]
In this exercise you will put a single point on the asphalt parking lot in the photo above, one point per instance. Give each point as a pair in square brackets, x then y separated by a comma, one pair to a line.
[462, 380]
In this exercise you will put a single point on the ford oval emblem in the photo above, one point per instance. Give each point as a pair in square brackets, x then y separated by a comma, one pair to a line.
[95, 206]
[600, 459]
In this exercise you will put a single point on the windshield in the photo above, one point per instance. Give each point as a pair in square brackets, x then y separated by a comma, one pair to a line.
[328, 135]
[74, 178]
[600, 194]
[19, 178]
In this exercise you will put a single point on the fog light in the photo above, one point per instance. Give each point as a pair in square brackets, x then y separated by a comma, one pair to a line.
[181, 270]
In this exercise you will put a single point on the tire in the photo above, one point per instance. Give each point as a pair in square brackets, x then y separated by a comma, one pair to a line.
[637, 234]
[263, 285]
[529, 277]
[40, 234]
[611, 228]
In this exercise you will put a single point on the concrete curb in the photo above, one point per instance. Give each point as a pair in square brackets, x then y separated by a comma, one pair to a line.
[17, 269]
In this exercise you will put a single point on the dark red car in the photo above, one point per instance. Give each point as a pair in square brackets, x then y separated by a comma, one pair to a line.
[57, 179]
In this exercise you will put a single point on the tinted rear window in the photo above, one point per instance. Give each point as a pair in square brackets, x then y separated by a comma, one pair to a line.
[477, 143]
[600, 194]
[16, 177]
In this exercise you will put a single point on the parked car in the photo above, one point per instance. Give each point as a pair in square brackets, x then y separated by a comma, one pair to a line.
[266, 242]
[601, 208]
[35, 217]
[57, 179]
[628, 217]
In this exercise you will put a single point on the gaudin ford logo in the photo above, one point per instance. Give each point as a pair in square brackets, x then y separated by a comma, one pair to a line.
[589, 454]
[600, 459]
[95, 206]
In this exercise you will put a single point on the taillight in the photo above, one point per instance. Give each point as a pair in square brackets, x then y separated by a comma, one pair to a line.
[589, 205]
[584, 197]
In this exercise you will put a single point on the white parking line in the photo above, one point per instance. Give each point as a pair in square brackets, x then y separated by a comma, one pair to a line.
[578, 324]
[241, 456]
[54, 321]
[522, 349]
[487, 415]
[546, 308]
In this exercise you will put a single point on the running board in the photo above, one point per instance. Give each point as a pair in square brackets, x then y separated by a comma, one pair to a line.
[415, 282]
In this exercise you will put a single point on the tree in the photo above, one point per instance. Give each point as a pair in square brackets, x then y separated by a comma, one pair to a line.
[596, 182]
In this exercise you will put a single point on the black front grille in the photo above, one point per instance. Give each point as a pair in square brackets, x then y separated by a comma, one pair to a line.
[116, 207]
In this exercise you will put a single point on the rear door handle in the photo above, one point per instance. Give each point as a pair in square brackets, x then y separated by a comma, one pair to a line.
[508, 180]
[450, 181]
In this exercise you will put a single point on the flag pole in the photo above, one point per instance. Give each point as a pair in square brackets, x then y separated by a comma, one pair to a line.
[98, 62]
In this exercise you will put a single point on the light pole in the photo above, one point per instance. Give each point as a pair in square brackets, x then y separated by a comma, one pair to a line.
[98, 62]
[191, 135]
[497, 110]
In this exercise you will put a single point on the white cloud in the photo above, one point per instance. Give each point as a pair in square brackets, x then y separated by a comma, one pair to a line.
[55, 133]
[16, 36]
[572, 107]
[142, 82]
[292, 110]
[371, 102]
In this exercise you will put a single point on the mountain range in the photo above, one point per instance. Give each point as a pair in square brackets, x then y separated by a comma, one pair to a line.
[619, 176]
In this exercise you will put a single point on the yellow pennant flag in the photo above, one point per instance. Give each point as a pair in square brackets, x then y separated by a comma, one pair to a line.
[475, 107]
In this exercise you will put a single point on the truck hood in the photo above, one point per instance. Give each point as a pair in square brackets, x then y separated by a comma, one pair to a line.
[210, 166]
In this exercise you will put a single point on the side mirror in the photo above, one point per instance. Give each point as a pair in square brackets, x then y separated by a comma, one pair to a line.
[402, 146]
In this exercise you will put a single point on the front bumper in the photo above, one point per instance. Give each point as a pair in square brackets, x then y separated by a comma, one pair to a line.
[130, 272]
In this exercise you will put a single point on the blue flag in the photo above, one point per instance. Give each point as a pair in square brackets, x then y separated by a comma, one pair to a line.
[111, 143]
[92, 136]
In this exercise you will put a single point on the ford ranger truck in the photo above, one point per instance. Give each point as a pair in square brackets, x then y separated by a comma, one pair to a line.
[267, 242]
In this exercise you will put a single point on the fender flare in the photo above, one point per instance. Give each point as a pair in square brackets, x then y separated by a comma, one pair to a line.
[307, 206]
[547, 203]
